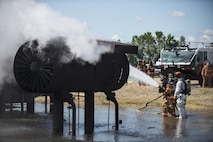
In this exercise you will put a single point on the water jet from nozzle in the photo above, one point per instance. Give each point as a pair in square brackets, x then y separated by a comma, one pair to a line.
[141, 76]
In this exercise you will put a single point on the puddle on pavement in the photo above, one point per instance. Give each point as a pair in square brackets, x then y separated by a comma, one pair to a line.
[147, 125]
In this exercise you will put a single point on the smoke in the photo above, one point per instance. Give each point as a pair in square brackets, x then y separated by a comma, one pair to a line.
[26, 20]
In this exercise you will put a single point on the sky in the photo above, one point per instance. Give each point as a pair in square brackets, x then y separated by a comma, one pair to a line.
[122, 19]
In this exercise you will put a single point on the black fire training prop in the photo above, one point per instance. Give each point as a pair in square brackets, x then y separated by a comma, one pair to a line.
[139, 109]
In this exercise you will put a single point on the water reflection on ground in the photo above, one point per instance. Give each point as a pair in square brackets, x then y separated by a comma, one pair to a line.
[147, 125]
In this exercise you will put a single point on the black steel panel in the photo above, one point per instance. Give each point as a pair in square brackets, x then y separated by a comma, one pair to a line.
[42, 73]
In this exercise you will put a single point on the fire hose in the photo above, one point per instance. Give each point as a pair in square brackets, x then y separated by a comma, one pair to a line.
[139, 109]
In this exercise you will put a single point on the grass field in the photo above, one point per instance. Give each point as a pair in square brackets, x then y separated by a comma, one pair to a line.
[135, 96]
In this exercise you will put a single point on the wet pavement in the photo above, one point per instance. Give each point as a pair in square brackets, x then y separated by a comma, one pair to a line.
[147, 125]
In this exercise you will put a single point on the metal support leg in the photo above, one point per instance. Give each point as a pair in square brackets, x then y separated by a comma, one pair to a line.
[73, 119]
[22, 101]
[111, 97]
[45, 103]
[70, 101]
[30, 104]
[51, 104]
[116, 114]
[58, 111]
[89, 112]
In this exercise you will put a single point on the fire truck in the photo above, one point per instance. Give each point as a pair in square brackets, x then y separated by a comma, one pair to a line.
[189, 60]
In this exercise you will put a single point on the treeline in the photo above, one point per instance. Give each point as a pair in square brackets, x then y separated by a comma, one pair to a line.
[149, 46]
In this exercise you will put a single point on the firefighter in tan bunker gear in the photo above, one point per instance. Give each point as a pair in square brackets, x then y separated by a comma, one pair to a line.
[207, 75]
[142, 67]
[169, 101]
[151, 70]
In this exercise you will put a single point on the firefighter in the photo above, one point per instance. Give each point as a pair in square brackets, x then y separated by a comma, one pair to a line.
[164, 81]
[199, 71]
[171, 78]
[142, 67]
[151, 70]
[207, 75]
[180, 96]
[139, 65]
[169, 101]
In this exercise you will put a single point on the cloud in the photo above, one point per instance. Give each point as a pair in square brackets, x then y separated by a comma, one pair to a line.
[207, 35]
[138, 18]
[178, 14]
[208, 32]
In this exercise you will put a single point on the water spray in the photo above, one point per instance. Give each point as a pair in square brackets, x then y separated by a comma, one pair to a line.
[141, 76]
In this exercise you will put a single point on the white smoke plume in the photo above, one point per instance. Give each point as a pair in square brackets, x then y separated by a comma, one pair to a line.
[24, 20]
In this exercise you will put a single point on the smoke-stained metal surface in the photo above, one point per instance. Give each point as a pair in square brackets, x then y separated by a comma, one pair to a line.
[31, 72]
[41, 70]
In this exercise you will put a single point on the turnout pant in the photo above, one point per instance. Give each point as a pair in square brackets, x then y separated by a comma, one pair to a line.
[182, 109]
